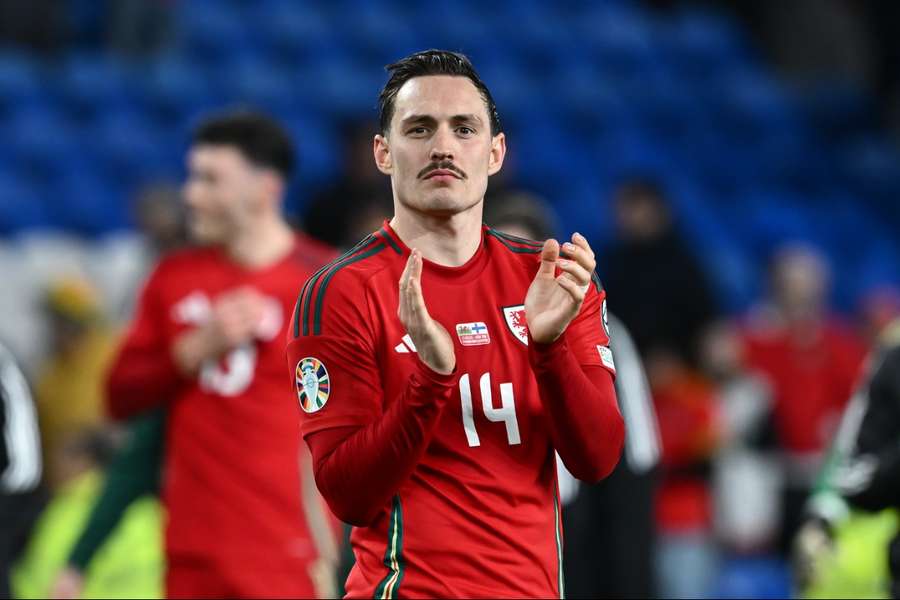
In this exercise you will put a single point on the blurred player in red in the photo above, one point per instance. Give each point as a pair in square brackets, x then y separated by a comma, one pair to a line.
[244, 519]
[432, 408]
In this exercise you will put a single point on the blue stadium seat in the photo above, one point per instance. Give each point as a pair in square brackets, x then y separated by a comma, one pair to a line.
[40, 139]
[339, 88]
[175, 87]
[88, 203]
[21, 81]
[318, 148]
[90, 83]
[294, 31]
[214, 31]
[260, 84]
[21, 206]
[700, 44]
[761, 578]
[129, 147]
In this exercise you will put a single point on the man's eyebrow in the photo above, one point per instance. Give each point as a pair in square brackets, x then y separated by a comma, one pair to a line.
[463, 118]
[419, 119]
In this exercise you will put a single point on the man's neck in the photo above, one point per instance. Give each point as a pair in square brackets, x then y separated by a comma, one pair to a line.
[446, 240]
[262, 245]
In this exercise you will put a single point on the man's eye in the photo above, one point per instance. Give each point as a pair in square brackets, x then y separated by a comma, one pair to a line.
[465, 130]
[418, 131]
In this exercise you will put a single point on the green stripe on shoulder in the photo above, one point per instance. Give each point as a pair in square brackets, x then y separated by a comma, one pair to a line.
[519, 240]
[524, 249]
[309, 286]
[320, 295]
[387, 237]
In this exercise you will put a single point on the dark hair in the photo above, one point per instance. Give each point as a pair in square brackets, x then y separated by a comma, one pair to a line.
[431, 62]
[260, 139]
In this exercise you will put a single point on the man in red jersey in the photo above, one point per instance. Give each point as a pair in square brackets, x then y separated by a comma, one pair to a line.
[432, 409]
[243, 518]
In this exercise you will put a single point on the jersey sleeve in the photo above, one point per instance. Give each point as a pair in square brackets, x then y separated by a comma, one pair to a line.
[331, 356]
[588, 334]
[143, 374]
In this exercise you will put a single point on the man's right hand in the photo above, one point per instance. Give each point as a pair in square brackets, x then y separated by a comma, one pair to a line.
[235, 320]
[433, 344]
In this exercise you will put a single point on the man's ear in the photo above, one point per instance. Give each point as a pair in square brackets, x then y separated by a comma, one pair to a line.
[382, 152]
[498, 153]
[272, 188]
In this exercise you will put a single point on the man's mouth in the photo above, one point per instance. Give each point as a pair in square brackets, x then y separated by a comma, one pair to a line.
[442, 173]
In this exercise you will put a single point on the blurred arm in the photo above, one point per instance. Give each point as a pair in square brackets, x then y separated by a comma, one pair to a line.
[133, 473]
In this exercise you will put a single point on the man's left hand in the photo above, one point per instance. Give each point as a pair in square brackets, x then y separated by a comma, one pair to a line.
[554, 301]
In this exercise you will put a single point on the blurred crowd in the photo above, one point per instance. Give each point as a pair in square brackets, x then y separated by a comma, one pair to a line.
[743, 407]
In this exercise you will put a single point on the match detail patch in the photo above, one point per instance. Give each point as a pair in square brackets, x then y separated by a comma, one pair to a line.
[606, 357]
[312, 383]
[473, 334]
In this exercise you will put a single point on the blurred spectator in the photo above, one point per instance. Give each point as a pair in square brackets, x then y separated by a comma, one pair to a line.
[811, 360]
[869, 477]
[842, 550]
[335, 215]
[133, 475]
[745, 471]
[127, 567]
[69, 388]
[690, 428]
[878, 309]
[162, 222]
[655, 285]
[161, 218]
[140, 28]
[21, 498]
[609, 527]
[521, 214]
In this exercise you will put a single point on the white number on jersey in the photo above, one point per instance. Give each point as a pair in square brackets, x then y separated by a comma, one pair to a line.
[236, 375]
[506, 413]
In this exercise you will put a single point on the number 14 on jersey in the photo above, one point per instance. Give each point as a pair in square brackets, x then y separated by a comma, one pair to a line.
[505, 414]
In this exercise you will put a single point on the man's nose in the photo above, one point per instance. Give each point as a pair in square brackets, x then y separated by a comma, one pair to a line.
[442, 146]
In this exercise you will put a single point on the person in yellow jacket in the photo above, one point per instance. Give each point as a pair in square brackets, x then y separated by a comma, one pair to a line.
[125, 561]
[69, 386]
[848, 545]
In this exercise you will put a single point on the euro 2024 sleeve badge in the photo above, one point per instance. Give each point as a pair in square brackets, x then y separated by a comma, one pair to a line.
[312, 383]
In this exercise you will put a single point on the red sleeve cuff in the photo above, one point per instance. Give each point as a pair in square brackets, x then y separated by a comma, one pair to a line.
[543, 357]
[431, 378]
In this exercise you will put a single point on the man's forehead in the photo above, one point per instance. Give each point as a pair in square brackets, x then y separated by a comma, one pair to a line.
[439, 96]
[223, 153]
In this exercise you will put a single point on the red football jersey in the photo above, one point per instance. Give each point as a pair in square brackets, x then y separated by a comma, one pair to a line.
[480, 514]
[232, 476]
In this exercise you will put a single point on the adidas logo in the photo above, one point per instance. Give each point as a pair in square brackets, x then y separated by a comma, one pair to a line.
[406, 346]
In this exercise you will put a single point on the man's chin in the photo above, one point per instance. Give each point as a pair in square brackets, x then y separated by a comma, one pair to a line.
[446, 205]
[204, 236]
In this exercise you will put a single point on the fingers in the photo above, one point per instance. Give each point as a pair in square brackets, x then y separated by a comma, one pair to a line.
[549, 256]
[575, 272]
[411, 309]
[580, 251]
[576, 291]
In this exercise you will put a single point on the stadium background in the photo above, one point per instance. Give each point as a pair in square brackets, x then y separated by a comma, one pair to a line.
[759, 136]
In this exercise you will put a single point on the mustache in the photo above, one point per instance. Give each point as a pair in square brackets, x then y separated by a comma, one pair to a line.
[444, 164]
